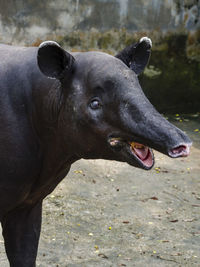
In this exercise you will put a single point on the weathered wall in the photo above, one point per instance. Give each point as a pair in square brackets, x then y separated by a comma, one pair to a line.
[172, 79]
[23, 21]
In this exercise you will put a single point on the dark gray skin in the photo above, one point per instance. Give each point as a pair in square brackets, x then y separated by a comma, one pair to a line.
[56, 108]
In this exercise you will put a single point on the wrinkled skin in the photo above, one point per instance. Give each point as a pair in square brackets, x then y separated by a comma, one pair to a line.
[56, 108]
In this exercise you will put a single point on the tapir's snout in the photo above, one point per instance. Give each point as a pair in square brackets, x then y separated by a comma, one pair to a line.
[151, 130]
[136, 146]
[176, 143]
[142, 129]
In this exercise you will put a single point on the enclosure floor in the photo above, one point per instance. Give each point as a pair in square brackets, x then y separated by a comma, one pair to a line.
[108, 213]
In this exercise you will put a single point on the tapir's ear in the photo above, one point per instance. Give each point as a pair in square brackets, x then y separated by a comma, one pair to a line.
[53, 61]
[136, 56]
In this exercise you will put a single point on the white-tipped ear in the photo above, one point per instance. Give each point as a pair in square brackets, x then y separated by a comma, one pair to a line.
[136, 56]
[46, 43]
[147, 40]
[53, 60]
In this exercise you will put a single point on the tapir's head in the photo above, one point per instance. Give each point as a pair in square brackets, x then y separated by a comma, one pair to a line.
[105, 113]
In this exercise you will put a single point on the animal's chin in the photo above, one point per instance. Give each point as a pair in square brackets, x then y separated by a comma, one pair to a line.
[133, 153]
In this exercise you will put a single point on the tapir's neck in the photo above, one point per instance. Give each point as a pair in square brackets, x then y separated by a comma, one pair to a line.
[47, 121]
[54, 168]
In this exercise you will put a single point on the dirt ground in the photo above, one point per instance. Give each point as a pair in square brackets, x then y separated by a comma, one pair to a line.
[110, 214]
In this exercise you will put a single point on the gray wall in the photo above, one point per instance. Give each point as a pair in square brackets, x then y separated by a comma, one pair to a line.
[25, 21]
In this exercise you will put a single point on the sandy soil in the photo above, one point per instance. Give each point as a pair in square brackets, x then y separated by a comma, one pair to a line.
[111, 214]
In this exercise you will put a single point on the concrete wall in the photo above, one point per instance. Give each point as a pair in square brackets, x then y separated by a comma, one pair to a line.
[24, 21]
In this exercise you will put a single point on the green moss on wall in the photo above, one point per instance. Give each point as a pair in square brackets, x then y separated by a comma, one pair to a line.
[177, 88]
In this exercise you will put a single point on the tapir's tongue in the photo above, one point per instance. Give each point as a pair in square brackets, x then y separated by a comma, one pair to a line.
[140, 150]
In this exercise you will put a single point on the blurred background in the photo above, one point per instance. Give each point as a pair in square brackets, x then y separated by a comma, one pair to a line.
[107, 213]
[172, 78]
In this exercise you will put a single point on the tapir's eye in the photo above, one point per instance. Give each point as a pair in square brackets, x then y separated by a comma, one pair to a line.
[95, 104]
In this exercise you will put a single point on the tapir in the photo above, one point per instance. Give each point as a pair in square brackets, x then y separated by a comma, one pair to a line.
[58, 107]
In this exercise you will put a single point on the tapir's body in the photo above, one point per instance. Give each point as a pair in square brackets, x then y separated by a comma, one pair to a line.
[56, 108]
[21, 151]
[29, 169]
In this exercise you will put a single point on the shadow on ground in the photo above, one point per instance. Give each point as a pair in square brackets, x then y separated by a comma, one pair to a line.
[111, 214]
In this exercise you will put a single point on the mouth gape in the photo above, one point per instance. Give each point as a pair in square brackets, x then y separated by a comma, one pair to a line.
[143, 153]
[139, 152]
[135, 152]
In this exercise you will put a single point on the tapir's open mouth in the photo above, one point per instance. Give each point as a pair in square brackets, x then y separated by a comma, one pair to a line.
[142, 154]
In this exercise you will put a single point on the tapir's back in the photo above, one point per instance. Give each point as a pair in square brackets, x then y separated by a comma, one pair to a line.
[17, 63]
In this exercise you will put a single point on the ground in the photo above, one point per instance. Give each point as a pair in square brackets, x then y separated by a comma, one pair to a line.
[108, 213]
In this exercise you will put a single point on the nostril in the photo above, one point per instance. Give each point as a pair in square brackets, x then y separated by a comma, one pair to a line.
[179, 151]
